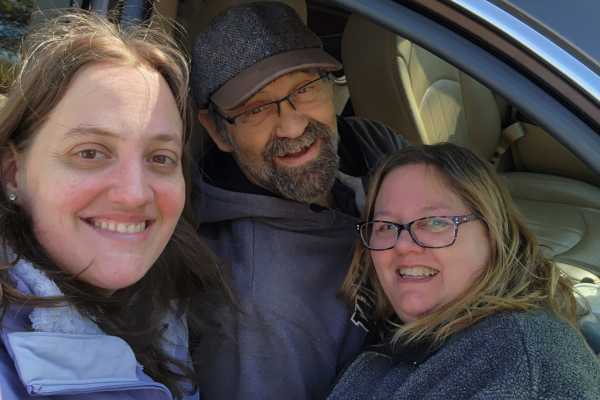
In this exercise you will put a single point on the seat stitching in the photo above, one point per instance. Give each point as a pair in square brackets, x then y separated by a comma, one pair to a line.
[429, 114]
[446, 86]
[553, 241]
[457, 114]
[439, 100]
[553, 226]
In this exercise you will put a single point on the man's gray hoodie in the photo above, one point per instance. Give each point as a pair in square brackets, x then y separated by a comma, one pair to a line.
[288, 260]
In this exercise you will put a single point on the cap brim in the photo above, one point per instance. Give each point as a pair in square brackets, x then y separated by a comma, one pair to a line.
[245, 84]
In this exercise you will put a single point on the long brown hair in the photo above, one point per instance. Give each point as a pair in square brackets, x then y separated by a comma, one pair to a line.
[518, 277]
[187, 273]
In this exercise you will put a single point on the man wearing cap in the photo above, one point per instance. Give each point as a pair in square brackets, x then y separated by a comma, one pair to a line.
[279, 199]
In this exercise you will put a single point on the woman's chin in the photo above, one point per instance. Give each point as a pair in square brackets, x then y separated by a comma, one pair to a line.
[409, 311]
[114, 276]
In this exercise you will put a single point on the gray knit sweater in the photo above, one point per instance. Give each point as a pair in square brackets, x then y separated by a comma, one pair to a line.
[513, 355]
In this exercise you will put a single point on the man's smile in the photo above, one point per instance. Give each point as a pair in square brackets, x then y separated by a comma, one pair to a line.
[305, 153]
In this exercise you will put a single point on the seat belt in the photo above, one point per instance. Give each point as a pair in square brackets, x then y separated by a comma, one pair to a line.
[508, 136]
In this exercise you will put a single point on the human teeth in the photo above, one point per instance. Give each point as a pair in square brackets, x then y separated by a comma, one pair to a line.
[140, 227]
[417, 272]
[121, 227]
[297, 152]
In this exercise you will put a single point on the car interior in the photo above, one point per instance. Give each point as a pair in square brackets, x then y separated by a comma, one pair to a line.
[427, 100]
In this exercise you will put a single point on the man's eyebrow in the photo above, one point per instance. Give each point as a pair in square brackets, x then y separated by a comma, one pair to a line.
[306, 71]
[241, 106]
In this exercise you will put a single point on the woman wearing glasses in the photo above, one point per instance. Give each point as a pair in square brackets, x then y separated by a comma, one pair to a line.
[467, 305]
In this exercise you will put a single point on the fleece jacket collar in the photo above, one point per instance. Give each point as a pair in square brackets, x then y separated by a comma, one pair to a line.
[66, 319]
[67, 353]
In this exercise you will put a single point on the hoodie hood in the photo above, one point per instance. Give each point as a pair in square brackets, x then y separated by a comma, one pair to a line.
[227, 205]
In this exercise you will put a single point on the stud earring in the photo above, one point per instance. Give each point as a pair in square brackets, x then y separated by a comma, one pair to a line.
[12, 197]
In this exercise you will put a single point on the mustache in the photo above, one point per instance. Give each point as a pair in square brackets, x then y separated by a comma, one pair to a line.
[282, 146]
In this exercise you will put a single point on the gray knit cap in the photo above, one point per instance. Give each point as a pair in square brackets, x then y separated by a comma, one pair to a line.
[248, 46]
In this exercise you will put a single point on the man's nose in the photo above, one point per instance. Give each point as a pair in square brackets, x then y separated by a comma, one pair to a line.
[131, 185]
[291, 123]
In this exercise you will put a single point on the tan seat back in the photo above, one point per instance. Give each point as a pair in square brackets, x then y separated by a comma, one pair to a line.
[420, 96]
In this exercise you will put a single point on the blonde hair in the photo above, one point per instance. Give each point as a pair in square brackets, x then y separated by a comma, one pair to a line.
[518, 277]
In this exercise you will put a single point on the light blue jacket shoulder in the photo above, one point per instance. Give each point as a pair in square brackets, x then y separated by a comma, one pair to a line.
[67, 354]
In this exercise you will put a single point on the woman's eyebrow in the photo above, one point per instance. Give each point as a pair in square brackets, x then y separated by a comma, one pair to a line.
[88, 130]
[429, 208]
[91, 130]
[169, 137]
[435, 206]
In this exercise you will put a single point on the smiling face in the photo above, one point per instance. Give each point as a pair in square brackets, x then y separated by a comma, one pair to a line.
[102, 179]
[297, 157]
[415, 279]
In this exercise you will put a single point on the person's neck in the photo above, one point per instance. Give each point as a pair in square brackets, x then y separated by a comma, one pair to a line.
[327, 201]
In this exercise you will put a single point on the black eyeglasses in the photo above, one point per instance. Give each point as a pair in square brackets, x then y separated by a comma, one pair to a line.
[264, 117]
[429, 232]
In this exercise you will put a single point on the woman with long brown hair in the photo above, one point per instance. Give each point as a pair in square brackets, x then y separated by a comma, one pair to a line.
[101, 271]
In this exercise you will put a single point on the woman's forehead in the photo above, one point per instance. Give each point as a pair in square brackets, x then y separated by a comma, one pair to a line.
[416, 189]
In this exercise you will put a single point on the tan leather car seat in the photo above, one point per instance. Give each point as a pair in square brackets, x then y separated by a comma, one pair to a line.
[427, 100]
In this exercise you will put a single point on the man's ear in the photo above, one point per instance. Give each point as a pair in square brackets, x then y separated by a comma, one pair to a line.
[9, 169]
[208, 123]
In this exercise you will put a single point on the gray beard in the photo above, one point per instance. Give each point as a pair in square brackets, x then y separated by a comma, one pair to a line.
[304, 183]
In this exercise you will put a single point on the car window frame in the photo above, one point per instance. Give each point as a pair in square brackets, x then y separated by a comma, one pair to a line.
[567, 114]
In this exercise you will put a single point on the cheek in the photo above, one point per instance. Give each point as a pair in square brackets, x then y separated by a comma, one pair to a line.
[467, 263]
[380, 259]
[170, 198]
[324, 114]
[480, 251]
[75, 196]
[51, 199]
[381, 262]
[252, 146]
[67, 197]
